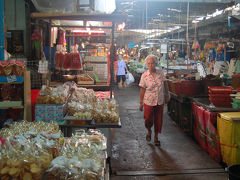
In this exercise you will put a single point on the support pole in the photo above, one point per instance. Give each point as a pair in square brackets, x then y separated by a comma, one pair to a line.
[1, 30]
[49, 44]
[49, 53]
[112, 60]
[187, 38]
[146, 16]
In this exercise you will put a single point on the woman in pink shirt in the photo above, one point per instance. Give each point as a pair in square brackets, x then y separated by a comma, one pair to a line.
[153, 94]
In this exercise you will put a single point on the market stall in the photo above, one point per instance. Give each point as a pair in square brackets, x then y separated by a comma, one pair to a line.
[93, 59]
[75, 108]
[38, 150]
[206, 111]
[197, 98]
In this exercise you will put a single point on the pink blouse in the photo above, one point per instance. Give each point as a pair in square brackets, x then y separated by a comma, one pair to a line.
[154, 88]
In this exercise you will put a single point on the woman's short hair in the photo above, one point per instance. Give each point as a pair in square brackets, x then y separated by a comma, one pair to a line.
[151, 56]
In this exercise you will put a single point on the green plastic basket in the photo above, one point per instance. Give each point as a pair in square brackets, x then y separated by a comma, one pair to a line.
[236, 100]
[236, 105]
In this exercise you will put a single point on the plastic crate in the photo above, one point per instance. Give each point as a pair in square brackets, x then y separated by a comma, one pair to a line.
[236, 100]
[236, 105]
[220, 90]
[222, 103]
[208, 83]
[34, 94]
[220, 99]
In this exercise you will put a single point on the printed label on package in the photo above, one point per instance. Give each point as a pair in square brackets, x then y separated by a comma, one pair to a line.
[11, 79]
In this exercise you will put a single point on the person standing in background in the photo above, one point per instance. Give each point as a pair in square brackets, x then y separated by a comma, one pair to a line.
[121, 72]
[153, 94]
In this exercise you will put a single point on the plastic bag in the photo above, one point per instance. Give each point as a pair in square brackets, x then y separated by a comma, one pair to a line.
[129, 78]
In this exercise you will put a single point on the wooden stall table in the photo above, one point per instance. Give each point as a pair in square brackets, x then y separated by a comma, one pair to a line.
[95, 87]
[180, 111]
[205, 103]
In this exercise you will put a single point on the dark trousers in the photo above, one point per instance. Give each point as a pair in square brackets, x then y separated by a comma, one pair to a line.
[121, 77]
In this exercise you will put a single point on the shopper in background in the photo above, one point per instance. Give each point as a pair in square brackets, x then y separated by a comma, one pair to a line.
[121, 72]
[153, 94]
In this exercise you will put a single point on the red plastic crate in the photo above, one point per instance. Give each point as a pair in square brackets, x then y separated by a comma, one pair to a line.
[220, 99]
[222, 103]
[220, 90]
[34, 94]
[220, 95]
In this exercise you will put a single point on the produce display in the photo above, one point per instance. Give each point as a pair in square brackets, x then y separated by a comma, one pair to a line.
[26, 153]
[82, 115]
[12, 67]
[82, 103]
[105, 111]
[28, 149]
[86, 103]
[82, 157]
[50, 95]
[135, 66]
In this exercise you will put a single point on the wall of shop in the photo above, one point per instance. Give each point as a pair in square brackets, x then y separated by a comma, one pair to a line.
[15, 22]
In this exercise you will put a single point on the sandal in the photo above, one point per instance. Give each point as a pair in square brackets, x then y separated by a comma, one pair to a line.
[157, 143]
[148, 138]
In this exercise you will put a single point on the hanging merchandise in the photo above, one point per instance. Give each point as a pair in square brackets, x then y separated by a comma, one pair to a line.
[36, 39]
[57, 58]
[195, 45]
[54, 32]
[43, 65]
[206, 46]
[220, 67]
[220, 47]
[67, 58]
[75, 59]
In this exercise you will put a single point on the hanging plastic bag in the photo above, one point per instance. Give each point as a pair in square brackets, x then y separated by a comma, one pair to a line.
[129, 78]
[43, 65]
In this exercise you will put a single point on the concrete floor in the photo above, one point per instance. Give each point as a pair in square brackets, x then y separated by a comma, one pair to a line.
[178, 158]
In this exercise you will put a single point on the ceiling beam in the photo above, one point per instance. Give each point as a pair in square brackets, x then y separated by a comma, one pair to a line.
[191, 1]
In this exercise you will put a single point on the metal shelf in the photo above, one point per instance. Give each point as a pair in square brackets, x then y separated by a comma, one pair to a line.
[11, 104]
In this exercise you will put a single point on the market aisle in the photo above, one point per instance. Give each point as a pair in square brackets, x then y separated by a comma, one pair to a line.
[179, 154]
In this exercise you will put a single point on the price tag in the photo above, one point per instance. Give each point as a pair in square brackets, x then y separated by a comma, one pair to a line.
[11, 79]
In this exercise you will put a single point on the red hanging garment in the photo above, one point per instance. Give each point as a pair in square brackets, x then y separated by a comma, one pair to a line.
[76, 61]
[67, 61]
[61, 60]
[56, 60]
